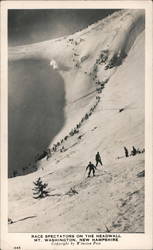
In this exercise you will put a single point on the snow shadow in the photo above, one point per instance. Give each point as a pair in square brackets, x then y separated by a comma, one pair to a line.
[36, 99]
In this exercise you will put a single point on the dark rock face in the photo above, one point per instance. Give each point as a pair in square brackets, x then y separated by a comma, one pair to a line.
[36, 98]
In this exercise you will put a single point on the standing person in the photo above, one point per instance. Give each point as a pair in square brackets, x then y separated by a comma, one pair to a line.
[98, 159]
[126, 152]
[91, 168]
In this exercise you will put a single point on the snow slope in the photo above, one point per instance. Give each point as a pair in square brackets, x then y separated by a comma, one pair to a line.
[110, 51]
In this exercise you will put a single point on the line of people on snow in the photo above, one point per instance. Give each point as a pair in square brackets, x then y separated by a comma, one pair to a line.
[101, 84]
[116, 60]
[48, 153]
[94, 72]
[134, 151]
[75, 130]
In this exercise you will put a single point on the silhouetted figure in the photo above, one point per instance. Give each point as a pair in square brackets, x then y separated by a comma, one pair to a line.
[138, 151]
[102, 85]
[141, 174]
[143, 150]
[91, 168]
[86, 116]
[98, 159]
[54, 148]
[75, 131]
[48, 153]
[15, 172]
[62, 149]
[99, 90]
[120, 110]
[126, 152]
[134, 151]
[79, 137]
[23, 169]
[10, 221]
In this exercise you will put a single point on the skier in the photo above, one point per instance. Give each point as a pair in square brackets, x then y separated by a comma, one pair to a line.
[92, 168]
[98, 159]
[126, 152]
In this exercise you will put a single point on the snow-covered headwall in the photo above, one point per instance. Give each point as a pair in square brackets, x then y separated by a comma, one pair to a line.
[46, 78]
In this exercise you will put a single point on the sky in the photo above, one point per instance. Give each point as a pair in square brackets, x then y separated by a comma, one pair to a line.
[32, 26]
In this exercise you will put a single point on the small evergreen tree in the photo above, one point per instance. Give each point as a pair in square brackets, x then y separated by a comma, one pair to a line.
[39, 189]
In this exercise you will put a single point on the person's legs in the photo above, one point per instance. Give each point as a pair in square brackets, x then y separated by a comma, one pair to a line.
[100, 162]
[93, 170]
[89, 172]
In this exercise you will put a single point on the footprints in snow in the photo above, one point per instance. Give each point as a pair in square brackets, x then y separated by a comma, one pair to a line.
[106, 178]
[123, 221]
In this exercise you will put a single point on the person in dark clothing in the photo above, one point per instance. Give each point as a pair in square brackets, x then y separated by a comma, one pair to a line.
[98, 159]
[134, 151]
[91, 168]
[126, 152]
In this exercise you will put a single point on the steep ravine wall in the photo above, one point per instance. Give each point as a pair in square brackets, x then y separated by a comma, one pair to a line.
[35, 111]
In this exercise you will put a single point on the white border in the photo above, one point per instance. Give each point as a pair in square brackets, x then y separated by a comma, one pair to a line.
[128, 241]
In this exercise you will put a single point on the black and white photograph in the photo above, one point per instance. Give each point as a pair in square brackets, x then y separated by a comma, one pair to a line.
[76, 144]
